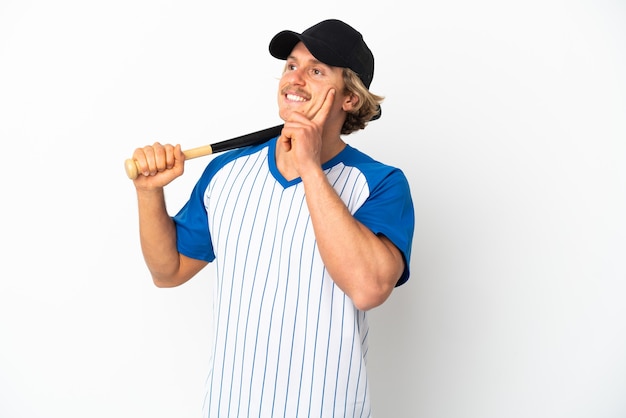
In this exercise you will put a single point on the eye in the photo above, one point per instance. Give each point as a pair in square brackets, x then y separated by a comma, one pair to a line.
[317, 72]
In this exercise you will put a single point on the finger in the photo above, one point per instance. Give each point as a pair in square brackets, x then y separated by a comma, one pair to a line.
[285, 139]
[170, 159]
[322, 114]
[148, 165]
[179, 155]
[164, 157]
[154, 159]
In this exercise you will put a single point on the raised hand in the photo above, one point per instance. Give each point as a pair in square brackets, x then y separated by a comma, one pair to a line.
[302, 135]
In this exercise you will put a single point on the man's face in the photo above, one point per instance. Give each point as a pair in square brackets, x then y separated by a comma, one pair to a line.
[305, 83]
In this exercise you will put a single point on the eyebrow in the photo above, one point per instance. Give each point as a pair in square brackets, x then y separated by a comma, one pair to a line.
[312, 61]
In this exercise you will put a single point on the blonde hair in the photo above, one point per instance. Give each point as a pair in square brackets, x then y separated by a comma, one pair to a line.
[365, 109]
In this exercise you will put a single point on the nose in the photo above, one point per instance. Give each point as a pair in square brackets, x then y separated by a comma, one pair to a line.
[294, 76]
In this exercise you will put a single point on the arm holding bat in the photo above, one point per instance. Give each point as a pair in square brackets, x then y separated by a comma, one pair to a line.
[158, 166]
[152, 168]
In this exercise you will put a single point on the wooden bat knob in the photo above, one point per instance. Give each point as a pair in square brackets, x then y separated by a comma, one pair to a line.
[132, 171]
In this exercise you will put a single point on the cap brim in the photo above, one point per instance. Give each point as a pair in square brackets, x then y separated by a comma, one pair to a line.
[283, 43]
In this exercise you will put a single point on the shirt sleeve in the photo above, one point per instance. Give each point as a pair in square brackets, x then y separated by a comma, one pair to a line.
[193, 238]
[389, 211]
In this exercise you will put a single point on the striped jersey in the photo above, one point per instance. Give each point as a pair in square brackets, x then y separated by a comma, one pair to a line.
[287, 341]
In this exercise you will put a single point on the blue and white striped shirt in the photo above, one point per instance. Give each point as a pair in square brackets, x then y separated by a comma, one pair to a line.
[288, 341]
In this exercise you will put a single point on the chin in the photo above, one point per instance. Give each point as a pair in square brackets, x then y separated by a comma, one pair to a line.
[285, 113]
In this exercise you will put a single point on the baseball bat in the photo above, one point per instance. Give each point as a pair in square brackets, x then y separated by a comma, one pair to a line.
[254, 138]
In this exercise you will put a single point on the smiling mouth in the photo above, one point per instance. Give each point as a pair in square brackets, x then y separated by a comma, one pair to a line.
[295, 98]
[295, 95]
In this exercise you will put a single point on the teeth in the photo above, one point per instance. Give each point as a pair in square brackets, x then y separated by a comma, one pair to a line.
[295, 98]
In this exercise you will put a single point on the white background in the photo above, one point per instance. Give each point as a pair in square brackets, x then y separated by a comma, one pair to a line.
[507, 117]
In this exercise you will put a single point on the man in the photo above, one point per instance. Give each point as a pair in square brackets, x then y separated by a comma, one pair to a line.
[307, 234]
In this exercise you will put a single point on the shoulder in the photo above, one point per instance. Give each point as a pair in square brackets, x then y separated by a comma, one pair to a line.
[224, 159]
[375, 171]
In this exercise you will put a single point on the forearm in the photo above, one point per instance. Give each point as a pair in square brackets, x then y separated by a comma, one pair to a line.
[365, 266]
[157, 236]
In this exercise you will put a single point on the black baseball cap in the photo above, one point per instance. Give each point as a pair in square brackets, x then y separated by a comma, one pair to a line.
[332, 42]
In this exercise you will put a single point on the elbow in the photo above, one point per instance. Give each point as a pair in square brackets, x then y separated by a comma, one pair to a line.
[367, 298]
[177, 274]
[166, 282]
[161, 284]
[379, 280]
[375, 287]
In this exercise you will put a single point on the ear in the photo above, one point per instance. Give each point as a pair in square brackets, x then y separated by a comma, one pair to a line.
[350, 102]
